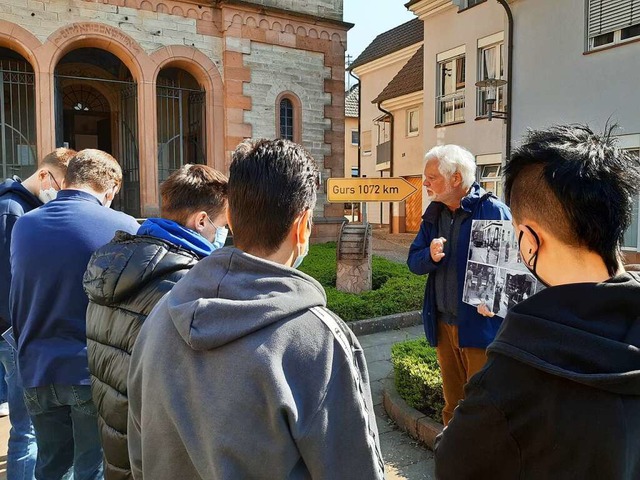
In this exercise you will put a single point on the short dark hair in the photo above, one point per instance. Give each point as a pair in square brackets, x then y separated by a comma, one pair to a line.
[95, 169]
[193, 188]
[576, 184]
[270, 184]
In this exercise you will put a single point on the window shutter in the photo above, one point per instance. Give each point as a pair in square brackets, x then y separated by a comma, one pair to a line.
[606, 16]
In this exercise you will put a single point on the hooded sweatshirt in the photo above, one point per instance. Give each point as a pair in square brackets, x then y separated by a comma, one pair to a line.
[559, 397]
[239, 372]
[15, 201]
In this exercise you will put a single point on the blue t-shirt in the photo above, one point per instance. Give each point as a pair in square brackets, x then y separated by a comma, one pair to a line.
[50, 249]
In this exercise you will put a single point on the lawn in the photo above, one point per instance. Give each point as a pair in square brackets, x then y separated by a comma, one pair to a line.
[395, 288]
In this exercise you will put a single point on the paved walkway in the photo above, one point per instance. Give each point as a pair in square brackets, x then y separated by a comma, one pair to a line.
[404, 458]
[392, 246]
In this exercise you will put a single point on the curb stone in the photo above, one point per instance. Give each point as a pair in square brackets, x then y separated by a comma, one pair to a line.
[388, 322]
[415, 423]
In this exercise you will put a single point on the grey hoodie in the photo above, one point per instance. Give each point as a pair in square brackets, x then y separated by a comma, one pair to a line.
[234, 376]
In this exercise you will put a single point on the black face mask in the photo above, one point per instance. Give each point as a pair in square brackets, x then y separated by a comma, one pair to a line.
[533, 260]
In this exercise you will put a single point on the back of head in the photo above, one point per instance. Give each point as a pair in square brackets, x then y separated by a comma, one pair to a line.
[577, 185]
[93, 169]
[191, 189]
[452, 159]
[58, 159]
[270, 184]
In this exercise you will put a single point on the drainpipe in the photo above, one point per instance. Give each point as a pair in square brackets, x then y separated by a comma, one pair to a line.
[363, 207]
[390, 162]
[509, 13]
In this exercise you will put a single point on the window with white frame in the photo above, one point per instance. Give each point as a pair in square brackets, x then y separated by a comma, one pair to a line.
[491, 178]
[355, 137]
[491, 65]
[413, 122]
[450, 102]
[610, 22]
[469, 3]
[631, 235]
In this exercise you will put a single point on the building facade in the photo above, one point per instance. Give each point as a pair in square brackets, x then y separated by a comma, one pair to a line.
[160, 83]
[464, 43]
[575, 62]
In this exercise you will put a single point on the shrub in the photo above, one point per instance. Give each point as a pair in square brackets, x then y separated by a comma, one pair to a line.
[417, 376]
[395, 288]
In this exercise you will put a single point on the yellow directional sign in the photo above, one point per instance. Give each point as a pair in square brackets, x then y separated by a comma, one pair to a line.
[348, 190]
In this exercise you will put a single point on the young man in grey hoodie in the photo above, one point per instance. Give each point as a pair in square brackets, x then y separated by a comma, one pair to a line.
[241, 371]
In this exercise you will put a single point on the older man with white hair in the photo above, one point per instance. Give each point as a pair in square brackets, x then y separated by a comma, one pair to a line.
[460, 332]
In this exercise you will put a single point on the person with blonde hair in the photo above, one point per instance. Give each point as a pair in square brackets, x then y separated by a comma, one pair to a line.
[50, 249]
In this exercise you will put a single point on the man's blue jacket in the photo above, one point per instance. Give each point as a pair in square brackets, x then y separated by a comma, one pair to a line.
[474, 330]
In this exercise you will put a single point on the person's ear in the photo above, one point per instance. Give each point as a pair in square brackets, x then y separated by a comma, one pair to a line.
[303, 228]
[527, 242]
[200, 221]
[456, 179]
[43, 173]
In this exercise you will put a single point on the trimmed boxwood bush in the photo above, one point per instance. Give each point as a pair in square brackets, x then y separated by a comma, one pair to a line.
[417, 375]
[395, 288]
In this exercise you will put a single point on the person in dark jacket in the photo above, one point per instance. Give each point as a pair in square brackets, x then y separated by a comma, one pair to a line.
[50, 248]
[128, 276]
[559, 397]
[240, 372]
[460, 332]
[18, 197]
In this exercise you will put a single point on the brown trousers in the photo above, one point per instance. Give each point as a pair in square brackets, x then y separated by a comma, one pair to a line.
[457, 365]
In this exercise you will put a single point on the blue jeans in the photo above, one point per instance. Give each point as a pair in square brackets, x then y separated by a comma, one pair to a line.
[66, 424]
[21, 455]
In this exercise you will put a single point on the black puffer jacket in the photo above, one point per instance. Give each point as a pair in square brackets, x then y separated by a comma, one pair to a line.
[124, 281]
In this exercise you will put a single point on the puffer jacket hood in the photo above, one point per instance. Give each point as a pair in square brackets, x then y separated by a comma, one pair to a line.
[250, 294]
[129, 263]
[586, 333]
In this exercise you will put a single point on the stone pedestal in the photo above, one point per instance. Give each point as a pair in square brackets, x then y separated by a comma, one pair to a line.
[354, 259]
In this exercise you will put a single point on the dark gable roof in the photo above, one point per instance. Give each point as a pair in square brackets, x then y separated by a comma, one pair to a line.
[351, 103]
[395, 39]
[408, 80]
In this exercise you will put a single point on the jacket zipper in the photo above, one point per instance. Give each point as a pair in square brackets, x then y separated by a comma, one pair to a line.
[446, 275]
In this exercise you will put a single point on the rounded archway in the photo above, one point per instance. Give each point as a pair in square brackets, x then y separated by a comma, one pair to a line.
[181, 117]
[18, 151]
[96, 107]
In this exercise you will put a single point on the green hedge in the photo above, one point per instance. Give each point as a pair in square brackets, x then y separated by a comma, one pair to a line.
[417, 376]
[395, 288]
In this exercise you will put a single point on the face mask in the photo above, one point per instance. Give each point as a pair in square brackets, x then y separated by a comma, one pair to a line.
[47, 195]
[220, 238]
[300, 258]
[533, 260]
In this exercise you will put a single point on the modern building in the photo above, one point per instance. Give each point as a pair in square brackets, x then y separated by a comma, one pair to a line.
[376, 67]
[464, 43]
[578, 61]
[160, 83]
[351, 131]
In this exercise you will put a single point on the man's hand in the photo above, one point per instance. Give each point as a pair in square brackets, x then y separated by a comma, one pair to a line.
[484, 310]
[437, 249]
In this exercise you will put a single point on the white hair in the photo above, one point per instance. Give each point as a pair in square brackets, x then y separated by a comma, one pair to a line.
[454, 159]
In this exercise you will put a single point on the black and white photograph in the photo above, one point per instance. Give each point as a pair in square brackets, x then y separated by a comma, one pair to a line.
[519, 287]
[500, 303]
[480, 284]
[509, 256]
[485, 242]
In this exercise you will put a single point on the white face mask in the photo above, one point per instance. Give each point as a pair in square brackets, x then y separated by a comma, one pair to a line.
[220, 238]
[300, 258]
[47, 195]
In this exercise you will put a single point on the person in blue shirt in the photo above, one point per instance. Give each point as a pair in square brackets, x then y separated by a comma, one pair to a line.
[50, 249]
[18, 197]
[460, 332]
[128, 276]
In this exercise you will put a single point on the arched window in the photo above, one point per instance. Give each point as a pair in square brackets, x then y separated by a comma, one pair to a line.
[288, 117]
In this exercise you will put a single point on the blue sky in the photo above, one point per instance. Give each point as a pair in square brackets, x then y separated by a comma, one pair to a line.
[372, 17]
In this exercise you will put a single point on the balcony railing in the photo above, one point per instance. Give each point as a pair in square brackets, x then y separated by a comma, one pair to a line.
[383, 153]
[450, 108]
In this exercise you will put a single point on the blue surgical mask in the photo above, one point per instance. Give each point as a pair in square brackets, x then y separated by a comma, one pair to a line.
[220, 238]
